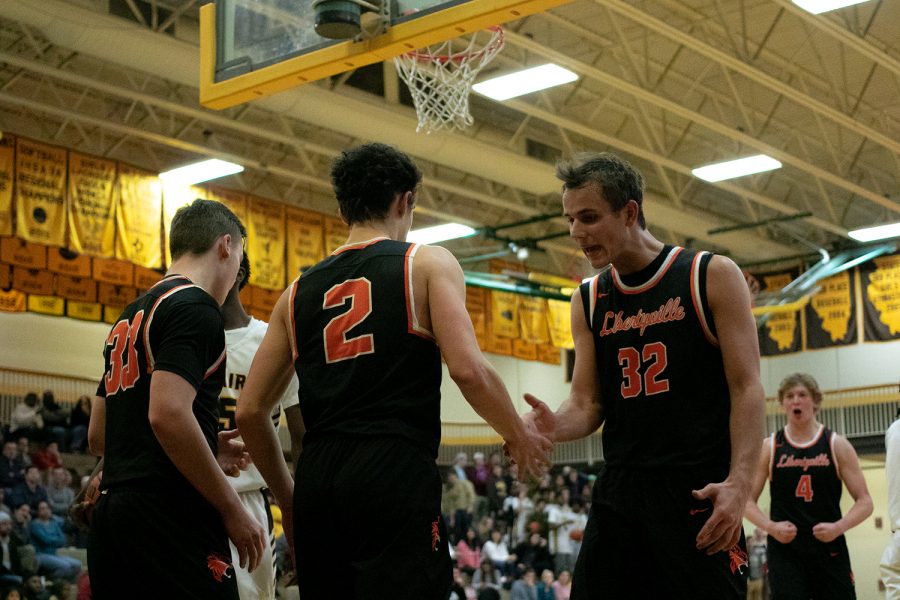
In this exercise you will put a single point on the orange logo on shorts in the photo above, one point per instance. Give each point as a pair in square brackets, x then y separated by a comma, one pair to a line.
[738, 558]
[218, 566]
[435, 535]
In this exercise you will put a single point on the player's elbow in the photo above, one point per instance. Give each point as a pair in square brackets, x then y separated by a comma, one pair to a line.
[867, 507]
[466, 374]
[247, 415]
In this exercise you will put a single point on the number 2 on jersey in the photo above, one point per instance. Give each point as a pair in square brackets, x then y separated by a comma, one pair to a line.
[654, 357]
[804, 488]
[123, 372]
[337, 346]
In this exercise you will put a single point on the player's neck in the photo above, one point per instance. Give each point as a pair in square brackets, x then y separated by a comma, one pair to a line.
[364, 232]
[202, 273]
[802, 431]
[233, 314]
[642, 249]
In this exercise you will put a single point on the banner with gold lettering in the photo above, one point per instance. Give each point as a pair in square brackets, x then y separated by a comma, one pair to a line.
[66, 262]
[7, 160]
[138, 217]
[524, 350]
[92, 225]
[265, 238]
[880, 285]
[14, 251]
[79, 289]
[86, 311]
[33, 281]
[780, 334]
[116, 272]
[559, 321]
[504, 314]
[46, 305]
[336, 232]
[12, 301]
[533, 320]
[831, 314]
[476, 306]
[233, 199]
[305, 240]
[40, 193]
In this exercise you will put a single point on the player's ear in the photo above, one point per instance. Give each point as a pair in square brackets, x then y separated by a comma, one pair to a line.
[632, 211]
[223, 245]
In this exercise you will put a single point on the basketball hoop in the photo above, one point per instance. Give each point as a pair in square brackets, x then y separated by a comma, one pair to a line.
[440, 79]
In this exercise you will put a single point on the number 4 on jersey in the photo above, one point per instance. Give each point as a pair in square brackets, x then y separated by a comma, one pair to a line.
[123, 371]
[804, 488]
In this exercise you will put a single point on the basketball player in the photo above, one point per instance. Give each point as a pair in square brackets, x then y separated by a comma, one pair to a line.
[161, 527]
[363, 329]
[890, 559]
[805, 463]
[666, 359]
[243, 335]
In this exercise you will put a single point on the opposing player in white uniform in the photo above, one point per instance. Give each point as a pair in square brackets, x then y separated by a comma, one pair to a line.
[243, 334]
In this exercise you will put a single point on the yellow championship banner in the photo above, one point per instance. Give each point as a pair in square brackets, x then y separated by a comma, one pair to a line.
[7, 160]
[336, 232]
[32, 281]
[46, 305]
[548, 353]
[92, 226]
[781, 332]
[504, 314]
[40, 193]
[305, 240]
[533, 320]
[524, 350]
[559, 322]
[14, 251]
[86, 311]
[138, 217]
[880, 283]
[12, 301]
[64, 262]
[234, 200]
[265, 238]
[477, 309]
[831, 313]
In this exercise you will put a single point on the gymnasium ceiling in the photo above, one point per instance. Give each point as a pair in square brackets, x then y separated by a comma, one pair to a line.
[669, 84]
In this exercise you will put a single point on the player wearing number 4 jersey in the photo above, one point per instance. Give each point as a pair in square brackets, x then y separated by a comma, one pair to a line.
[362, 330]
[805, 463]
[666, 359]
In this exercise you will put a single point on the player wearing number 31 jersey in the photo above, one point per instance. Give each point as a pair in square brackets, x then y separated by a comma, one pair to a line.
[362, 329]
[805, 463]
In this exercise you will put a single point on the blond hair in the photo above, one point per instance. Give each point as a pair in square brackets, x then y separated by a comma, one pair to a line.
[804, 379]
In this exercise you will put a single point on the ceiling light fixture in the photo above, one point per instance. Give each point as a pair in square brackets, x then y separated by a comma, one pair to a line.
[200, 171]
[440, 233]
[524, 82]
[878, 232]
[820, 6]
[740, 167]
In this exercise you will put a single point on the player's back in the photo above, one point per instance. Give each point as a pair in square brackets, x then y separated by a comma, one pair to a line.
[364, 365]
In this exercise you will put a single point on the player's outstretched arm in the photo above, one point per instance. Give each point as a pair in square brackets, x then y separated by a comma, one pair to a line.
[269, 376]
[97, 427]
[445, 294]
[783, 531]
[852, 475]
[175, 426]
[729, 301]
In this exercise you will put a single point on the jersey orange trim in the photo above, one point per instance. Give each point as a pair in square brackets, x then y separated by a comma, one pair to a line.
[592, 295]
[625, 289]
[412, 320]
[772, 456]
[212, 369]
[358, 245]
[147, 350]
[834, 456]
[696, 298]
[808, 444]
[292, 335]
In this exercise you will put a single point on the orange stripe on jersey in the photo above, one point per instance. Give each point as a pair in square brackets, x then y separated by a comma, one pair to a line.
[696, 298]
[592, 294]
[358, 245]
[808, 444]
[412, 320]
[834, 456]
[292, 334]
[625, 289]
[772, 457]
[212, 369]
[148, 350]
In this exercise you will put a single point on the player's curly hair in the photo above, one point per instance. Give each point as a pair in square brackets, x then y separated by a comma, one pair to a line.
[804, 379]
[617, 179]
[366, 179]
[197, 226]
[245, 265]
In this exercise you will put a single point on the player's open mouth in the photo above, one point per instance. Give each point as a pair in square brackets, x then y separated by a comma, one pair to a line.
[590, 249]
[798, 412]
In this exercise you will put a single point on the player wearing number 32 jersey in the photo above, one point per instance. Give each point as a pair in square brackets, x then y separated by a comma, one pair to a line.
[364, 330]
[666, 359]
[805, 463]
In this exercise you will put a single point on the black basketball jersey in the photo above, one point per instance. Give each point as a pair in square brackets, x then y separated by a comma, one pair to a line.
[177, 327]
[662, 382]
[804, 482]
[364, 365]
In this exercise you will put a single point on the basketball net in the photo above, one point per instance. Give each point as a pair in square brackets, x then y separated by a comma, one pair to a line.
[440, 80]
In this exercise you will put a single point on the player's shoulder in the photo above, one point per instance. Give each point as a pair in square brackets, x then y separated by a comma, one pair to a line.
[434, 258]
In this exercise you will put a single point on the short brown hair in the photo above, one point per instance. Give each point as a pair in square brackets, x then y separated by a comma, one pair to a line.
[804, 379]
[616, 179]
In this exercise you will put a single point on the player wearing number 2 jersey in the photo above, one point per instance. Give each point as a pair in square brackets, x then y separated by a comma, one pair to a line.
[161, 527]
[364, 330]
[805, 463]
[666, 359]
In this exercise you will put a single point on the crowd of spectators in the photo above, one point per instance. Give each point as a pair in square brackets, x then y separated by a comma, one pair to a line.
[37, 489]
[507, 535]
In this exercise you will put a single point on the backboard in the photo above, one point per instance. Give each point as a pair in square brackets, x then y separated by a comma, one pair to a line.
[250, 49]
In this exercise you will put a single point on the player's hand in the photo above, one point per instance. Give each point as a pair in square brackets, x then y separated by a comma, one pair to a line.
[531, 453]
[827, 532]
[723, 528]
[248, 536]
[231, 455]
[783, 531]
[540, 417]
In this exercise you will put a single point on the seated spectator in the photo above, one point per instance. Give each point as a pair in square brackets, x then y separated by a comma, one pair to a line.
[24, 449]
[458, 504]
[478, 474]
[13, 593]
[47, 457]
[524, 589]
[26, 419]
[460, 588]
[562, 587]
[34, 589]
[78, 424]
[30, 492]
[12, 467]
[55, 419]
[22, 522]
[545, 587]
[486, 577]
[468, 552]
[496, 551]
[10, 543]
[47, 536]
[59, 492]
[497, 489]
[533, 554]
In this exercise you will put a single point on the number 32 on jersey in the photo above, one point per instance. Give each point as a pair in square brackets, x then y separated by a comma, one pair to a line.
[642, 370]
